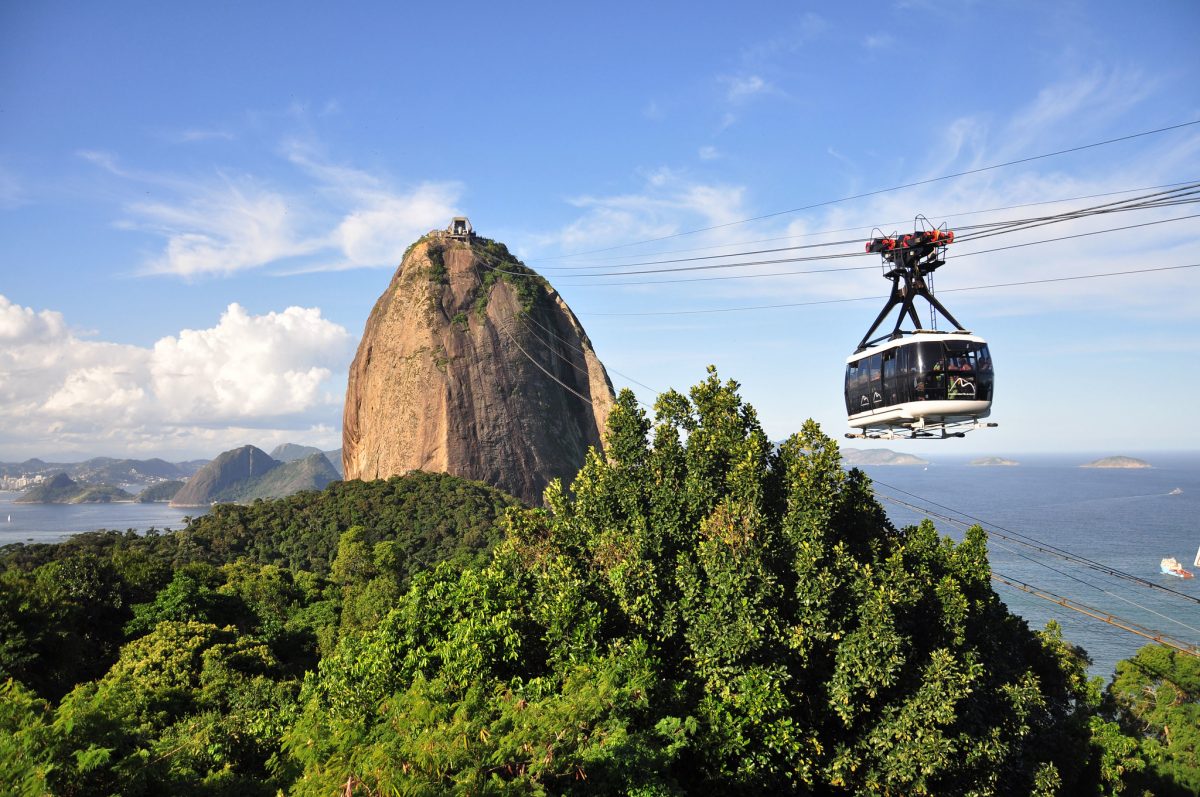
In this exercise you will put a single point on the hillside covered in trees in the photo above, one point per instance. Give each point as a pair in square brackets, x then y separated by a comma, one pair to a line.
[702, 613]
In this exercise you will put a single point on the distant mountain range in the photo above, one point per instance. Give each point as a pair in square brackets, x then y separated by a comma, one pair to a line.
[99, 470]
[244, 474]
[139, 473]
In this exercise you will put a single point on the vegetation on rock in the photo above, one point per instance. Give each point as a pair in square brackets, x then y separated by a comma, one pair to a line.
[62, 489]
[163, 491]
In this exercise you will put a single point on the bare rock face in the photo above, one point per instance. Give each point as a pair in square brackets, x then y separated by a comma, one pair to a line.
[472, 371]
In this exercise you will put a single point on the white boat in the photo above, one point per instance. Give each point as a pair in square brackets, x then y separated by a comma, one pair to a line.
[1170, 566]
[1197, 562]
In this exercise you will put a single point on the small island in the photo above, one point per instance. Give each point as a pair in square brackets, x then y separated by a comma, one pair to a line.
[990, 461]
[1118, 462]
[62, 489]
[879, 456]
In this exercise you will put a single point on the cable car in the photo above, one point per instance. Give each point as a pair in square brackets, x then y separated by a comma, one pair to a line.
[918, 383]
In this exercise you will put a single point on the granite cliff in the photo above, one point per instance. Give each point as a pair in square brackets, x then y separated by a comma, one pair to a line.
[472, 364]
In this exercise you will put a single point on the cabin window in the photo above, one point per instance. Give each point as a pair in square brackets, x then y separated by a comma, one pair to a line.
[931, 372]
[891, 382]
[874, 367]
[857, 393]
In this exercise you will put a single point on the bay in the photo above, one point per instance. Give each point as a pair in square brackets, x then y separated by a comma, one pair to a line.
[56, 522]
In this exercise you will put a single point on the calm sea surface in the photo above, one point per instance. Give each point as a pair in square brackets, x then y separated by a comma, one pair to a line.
[1125, 519]
[55, 522]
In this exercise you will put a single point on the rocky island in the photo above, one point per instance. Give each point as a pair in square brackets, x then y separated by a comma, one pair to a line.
[994, 461]
[879, 456]
[1118, 462]
[62, 489]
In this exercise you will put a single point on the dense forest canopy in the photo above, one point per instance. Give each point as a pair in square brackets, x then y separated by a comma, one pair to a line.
[699, 612]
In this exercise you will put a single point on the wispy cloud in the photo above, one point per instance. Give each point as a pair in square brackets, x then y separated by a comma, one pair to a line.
[806, 28]
[12, 193]
[709, 153]
[669, 203]
[192, 136]
[330, 217]
[742, 87]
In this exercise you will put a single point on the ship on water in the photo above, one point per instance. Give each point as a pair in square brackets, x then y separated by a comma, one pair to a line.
[1170, 566]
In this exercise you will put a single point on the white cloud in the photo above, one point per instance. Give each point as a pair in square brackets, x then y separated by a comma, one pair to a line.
[191, 393]
[20, 325]
[740, 88]
[222, 229]
[709, 153]
[339, 217]
[668, 204]
[247, 366]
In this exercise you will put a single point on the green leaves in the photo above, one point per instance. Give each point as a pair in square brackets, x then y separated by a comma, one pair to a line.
[701, 613]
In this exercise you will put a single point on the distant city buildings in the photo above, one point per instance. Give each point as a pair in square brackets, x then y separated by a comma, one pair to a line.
[22, 482]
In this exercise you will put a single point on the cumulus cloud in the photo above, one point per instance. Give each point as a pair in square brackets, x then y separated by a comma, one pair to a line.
[20, 325]
[247, 366]
[279, 374]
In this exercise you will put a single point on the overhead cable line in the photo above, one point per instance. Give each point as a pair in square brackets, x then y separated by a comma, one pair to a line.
[867, 268]
[1043, 547]
[542, 368]
[965, 232]
[526, 319]
[913, 184]
[854, 254]
[1097, 614]
[840, 255]
[877, 298]
[1074, 560]
[1022, 539]
[1178, 196]
[879, 225]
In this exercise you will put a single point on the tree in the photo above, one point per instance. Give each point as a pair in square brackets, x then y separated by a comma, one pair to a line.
[702, 613]
[1155, 699]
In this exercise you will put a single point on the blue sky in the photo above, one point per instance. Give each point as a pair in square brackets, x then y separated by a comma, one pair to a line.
[199, 205]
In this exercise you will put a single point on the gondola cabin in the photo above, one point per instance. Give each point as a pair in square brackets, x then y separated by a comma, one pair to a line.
[919, 382]
[927, 379]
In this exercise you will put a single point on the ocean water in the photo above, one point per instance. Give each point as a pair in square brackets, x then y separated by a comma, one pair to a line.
[56, 522]
[1124, 519]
